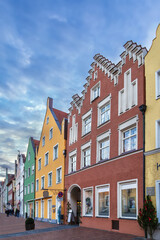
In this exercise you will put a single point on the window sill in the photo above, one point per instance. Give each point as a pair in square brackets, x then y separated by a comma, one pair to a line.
[102, 217]
[125, 153]
[84, 135]
[88, 216]
[55, 159]
[123, 218]
[85, 167]
[157, 97]
[94, 99]
[100, 125]
[58, 182]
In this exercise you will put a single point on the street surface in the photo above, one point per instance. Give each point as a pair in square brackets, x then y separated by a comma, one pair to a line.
[13, 228]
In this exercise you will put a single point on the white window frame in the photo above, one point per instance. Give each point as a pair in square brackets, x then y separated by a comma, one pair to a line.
[54, 157]
[25, 190]
[100, 138]
[73, 131]
[47, 121]
[47, 153]
[71, 155]
[42, 212]
[157, 133]
[44, 181]
[48, 210]
[43, 141]
[104, 188]
[39, 161]
[84, 190]
[124, 127]
[85, 147]
[28, 188]
[37, 185]
[158, 199]
[51, 178]
[84, 118]
[29, 172]
[95, 75]
[32, 187]
[32, 169]
[96, 86]
[101, 104]
[59, 168]
[51, 135]
[157, 84]
[133, 183]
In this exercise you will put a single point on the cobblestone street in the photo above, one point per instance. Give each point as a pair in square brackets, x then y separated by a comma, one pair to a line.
[13, 228]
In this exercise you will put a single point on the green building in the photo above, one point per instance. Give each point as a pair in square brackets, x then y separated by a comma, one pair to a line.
[29, 178]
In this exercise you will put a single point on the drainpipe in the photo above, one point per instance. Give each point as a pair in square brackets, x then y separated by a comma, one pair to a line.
[142, 108]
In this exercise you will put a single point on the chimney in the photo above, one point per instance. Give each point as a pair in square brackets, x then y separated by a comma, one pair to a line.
[50, 102]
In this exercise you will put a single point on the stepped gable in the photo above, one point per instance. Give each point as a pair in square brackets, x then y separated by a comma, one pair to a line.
[137, 52]
[24, 158]
[36, 142]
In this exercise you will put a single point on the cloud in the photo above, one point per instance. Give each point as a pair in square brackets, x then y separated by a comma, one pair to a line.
[58, 18]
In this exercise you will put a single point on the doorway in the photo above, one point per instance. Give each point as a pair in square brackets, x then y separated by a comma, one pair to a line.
[74, 198]
[158, 199]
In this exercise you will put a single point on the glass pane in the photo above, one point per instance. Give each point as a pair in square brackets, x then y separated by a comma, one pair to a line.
[103, 203]
[126, 134]
[128, 202]
[126, 145]
[133, 142]
[88, 202]
[133, 131]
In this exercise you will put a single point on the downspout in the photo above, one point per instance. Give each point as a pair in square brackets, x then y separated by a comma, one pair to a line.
[142, 108]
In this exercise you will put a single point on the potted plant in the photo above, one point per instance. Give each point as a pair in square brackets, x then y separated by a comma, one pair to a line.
[147, 218]
[29, 224]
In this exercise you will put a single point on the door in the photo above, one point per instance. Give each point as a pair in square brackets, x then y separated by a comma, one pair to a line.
[58, 203]
[42, 209]
[50, 209]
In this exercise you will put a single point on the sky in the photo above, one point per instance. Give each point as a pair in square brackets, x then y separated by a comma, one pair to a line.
[46, 48]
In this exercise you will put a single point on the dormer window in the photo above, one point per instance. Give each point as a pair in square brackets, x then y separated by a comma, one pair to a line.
[95, 91]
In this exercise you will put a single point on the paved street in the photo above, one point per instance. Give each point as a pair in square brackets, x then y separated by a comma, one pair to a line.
[13, 228]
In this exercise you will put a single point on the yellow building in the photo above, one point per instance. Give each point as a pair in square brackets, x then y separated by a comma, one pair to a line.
[152, 122]
[50, 166]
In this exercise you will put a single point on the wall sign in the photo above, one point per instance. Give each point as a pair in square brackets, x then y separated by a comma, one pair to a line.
[150, 191]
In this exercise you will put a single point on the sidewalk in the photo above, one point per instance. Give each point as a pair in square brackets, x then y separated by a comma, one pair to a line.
[12, 228]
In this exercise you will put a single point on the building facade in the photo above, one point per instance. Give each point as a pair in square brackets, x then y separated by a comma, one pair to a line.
[29, 178]
[104, 164]
[11, 192]
[152, 122]
[19, 177]
[50, 165]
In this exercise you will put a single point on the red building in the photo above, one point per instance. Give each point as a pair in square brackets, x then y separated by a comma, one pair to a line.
[104, 162]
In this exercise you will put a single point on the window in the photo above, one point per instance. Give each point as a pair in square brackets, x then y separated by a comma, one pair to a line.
[43, 141]
[47, 120]
[86, 154]
[55, 152]
[39, 164]
[86, 123]
[88, 201]
[28, 188]
[42, 182]
[127, 199]
[49, 179]
[46, 158]
[95, 75]
[25, 190]
[59, 175]
[29, 156]
[32, 169]
[158, 134]
[128, 97]
[51, 133]
[103, 146]
[36, 209]
[128, 135]
[129, 139]
[102, 201]
[104, 110]
[25, 174]
[32, 188]
[73, 131]
[158, 84]
[95, 92]
[37, 184]
[72, 161]
[29, 172]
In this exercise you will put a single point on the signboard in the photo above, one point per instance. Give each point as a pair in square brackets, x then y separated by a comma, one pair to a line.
[150, 191]
[45, 194]
[60, 194]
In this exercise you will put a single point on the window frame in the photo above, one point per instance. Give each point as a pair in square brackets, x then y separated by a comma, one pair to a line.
[39, 160]
[47, 153]
[85, 190]
[29, 172]
[37, 185]
[44, 181]
[71, 155]
[32, 169]
[124, 127]
[29, 156]
[50, 173]
[125, 185]
[100, 138]
[85, 117]
[47, 121]
[51, 135]
[157, 129]
[55, 146]
[57, 169]
[43, 141]
[96, 199]
[103, 103]
[85, 147]
[96, 86]
[157, 84]
[28, 188]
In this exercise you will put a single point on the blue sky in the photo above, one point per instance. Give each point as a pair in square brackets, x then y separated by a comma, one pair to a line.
[46, 48]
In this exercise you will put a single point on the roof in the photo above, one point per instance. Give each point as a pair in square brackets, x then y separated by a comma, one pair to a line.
[60, 115]
[36, 142]
[24, 158]
[10, 178]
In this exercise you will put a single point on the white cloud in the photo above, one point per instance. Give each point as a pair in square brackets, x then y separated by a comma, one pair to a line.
[58, 18]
